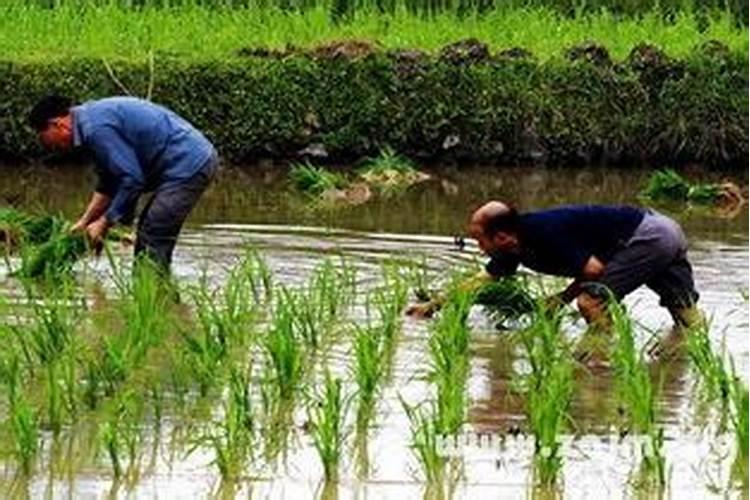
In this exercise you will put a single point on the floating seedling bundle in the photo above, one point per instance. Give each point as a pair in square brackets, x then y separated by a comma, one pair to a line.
[668, 185]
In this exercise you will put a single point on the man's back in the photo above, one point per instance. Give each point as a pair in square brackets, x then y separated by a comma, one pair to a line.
[166, 146]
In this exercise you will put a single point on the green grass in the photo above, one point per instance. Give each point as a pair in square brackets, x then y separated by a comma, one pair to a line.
[32, 33]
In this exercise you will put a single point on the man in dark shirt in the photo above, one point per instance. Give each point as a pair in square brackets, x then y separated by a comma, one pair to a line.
[606, 250]
[138, 147]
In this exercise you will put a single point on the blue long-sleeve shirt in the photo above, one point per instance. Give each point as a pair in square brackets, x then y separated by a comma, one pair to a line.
[138, 147]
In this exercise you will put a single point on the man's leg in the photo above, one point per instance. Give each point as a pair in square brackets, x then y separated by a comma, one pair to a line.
[650, 251]
[164, 215]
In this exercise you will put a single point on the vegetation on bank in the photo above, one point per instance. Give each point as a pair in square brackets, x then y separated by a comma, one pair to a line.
[465, 104]
[31, 33]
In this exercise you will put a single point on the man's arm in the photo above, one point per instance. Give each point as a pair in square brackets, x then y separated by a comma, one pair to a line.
[592, 270]
[471, 284]
[95, 209]
[117, 158]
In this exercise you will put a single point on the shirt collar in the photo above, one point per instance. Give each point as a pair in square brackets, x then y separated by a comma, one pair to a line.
[77, 119]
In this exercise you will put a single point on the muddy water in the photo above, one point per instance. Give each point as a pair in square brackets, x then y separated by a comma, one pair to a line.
[253, 206]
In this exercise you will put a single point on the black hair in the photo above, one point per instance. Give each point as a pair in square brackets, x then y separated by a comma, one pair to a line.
[506, 221]
[49, 107]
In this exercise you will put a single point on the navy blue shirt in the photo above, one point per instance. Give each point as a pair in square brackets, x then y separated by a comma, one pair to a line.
[138, 147]
[561, 240]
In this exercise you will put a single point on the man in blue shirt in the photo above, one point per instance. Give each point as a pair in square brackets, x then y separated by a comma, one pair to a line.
[138, 147]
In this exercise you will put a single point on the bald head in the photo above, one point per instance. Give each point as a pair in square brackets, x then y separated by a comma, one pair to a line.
[492, 217]
[494, 226]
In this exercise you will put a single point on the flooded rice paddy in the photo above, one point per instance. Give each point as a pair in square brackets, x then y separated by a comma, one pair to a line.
[253, 208]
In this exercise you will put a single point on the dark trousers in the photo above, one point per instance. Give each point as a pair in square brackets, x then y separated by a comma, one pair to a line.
[162, 218]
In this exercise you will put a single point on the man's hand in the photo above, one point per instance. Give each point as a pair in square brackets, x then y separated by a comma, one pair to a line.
[79, 226]
[97, 230]
[553, 303]
[423, 310]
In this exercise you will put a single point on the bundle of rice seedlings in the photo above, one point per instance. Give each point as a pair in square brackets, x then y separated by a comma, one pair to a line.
[505, 299]
[54, 257]
[18, 227]
[315, 180]
[666, 184]
[390, 170]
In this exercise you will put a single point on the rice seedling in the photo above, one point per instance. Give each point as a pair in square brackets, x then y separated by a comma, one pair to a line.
[54, 320]
[145, 320]
[314, 180]
[449, 365]
[741, 424]
[120, 433]
[638, 396]
[326, 412]
[715, 381]
[55, 404]
[549, 388]
[24, 426]
[285, 356]
[368, 371]
[425, 441]
[232, 437]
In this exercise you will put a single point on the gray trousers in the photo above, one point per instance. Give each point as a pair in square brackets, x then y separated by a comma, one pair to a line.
[162, 218]
[655, 256]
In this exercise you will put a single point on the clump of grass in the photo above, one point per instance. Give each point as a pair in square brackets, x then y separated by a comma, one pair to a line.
[449, 366]
[638, 395]
[549, 389]
[327, 413]
[668, 185]
[390, 171]
[314, 180]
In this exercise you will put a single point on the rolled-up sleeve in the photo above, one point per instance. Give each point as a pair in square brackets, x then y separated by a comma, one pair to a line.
[120, 173]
